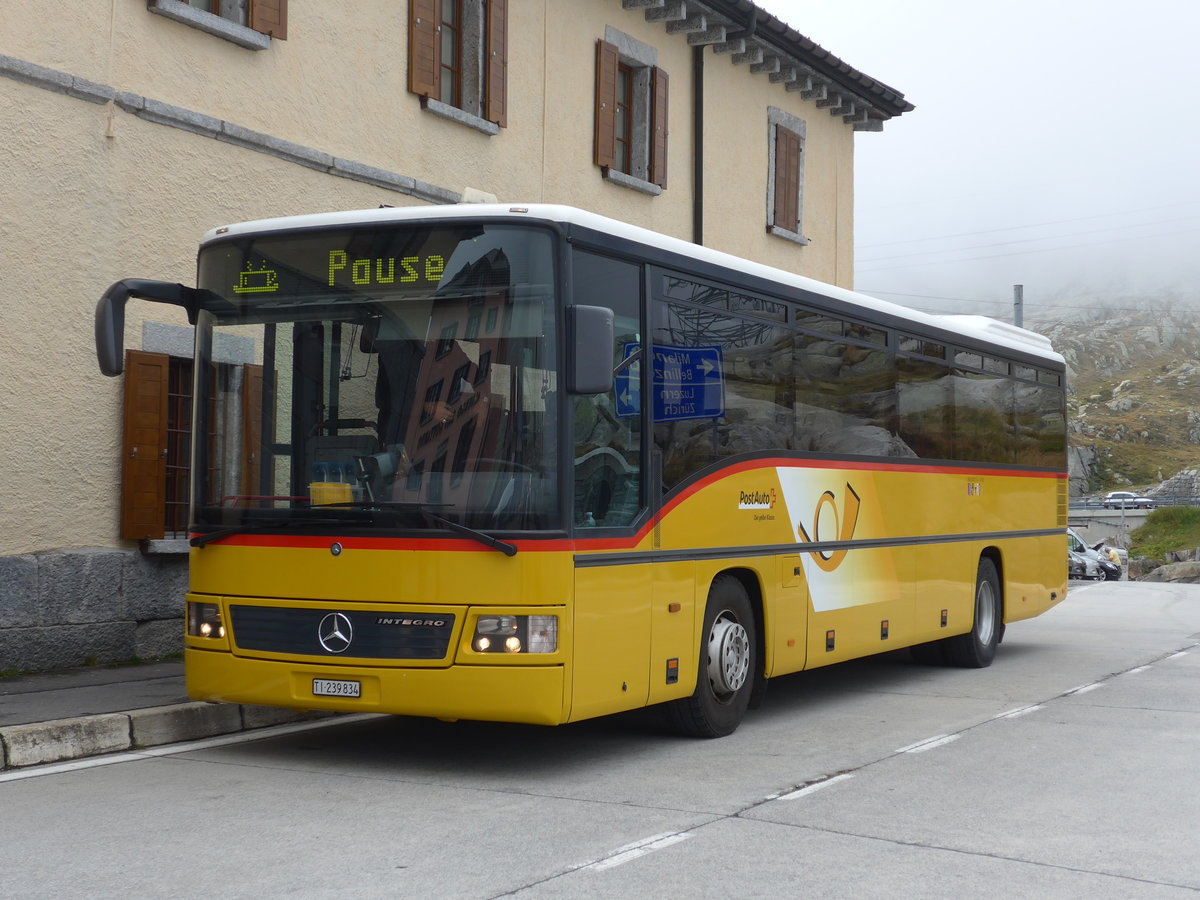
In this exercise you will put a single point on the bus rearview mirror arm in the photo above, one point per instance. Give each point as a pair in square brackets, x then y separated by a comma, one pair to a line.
[590, 343]
[110, 315]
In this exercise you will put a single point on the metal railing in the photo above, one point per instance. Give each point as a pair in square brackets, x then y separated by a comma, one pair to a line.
[1098, 503]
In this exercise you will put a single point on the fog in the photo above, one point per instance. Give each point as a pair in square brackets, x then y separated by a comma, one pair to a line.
[1053, 145]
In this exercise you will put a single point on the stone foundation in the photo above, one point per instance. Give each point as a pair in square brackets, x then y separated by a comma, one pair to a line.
[89, 605]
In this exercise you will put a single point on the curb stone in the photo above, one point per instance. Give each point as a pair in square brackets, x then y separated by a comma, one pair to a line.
[66, 739]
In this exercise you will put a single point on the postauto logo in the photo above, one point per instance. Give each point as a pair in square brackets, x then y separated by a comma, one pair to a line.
[756, 499]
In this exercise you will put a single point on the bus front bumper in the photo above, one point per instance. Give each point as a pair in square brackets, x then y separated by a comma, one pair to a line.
[526, 694]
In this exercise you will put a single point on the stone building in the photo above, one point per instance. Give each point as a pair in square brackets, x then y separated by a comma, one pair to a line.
[134, 126]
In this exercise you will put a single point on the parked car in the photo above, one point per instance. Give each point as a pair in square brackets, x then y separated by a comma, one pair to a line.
[1094, 564]
[1083, 568]
[1126, 500]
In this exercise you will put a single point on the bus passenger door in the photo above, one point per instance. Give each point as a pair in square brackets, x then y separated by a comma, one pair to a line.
[613, 590]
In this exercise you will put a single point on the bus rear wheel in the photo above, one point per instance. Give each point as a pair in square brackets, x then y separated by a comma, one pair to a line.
[977, 648]
[728, 665]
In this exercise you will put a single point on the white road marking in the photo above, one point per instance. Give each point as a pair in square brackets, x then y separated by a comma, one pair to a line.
[812, 788]
[1083, 689]
[1024, 710]
[929, 743]
[630, 852]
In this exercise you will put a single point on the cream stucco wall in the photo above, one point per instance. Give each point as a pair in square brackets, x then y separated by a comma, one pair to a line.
[91, 193]
[82, 210]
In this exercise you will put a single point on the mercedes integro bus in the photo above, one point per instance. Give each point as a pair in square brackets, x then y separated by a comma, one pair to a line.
[529, 464]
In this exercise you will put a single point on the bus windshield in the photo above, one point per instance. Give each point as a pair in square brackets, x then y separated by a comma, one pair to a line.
[383, 378]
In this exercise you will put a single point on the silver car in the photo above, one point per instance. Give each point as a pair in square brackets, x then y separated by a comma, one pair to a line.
[1126, 500]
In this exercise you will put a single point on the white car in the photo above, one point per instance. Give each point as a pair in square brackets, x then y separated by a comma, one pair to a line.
[1126, 500]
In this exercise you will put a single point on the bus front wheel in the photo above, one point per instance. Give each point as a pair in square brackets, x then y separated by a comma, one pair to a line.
[977, 648]
[728, 665]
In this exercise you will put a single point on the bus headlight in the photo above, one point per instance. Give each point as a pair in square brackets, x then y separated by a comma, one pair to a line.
[204, 620]
[516, 634]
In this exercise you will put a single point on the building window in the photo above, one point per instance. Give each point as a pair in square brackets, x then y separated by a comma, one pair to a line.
[631, 113]
[248, 23]
[785, 188]
[458, 59]
[451, 56]
[623, 138]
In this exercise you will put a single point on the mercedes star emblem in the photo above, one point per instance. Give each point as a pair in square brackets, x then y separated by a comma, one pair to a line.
[335, 632]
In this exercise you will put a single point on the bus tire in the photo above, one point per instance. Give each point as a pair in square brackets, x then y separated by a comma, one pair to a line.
[728, 665]
[977, 648]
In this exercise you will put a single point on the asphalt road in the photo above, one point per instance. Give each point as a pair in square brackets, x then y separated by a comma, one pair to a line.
[1067, 769]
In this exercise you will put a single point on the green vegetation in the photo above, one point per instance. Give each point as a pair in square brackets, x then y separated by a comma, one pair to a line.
[1166, 530]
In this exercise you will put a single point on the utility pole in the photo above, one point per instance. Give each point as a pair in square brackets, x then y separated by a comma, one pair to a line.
[1019, 305]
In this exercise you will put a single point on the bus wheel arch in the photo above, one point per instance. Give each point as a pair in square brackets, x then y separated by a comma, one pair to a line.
[729, 659]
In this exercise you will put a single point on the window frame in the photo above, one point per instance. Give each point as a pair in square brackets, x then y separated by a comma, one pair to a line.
[644, 166]
[787, 136]
[482, 47]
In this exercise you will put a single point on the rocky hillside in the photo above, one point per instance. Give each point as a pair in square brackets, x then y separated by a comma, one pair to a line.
[1133, 390]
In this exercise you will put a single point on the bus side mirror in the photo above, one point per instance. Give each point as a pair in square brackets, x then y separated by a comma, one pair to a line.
[110, 315]
[590, 349]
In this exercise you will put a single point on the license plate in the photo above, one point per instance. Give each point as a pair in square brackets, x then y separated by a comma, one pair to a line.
[328, 687]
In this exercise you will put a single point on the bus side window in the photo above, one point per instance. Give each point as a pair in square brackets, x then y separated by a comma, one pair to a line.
[608, 427]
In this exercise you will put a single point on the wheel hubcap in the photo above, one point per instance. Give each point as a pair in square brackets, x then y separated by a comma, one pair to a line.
[985, 612]
[728, 655]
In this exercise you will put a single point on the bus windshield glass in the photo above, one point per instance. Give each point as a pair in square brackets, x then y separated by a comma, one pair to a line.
[384, 378]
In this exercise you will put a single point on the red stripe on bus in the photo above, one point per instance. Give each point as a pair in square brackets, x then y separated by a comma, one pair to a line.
[559, 545]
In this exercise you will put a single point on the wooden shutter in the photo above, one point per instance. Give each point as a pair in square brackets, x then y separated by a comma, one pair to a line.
[495, 99]
[658, 127]
[269, 17]
[144, 446]
[252, 430]
[787, 179]
[607, 59]
[424, 51]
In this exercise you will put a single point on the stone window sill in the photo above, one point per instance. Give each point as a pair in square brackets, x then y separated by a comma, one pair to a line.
[210, 23]
[454, 114]
[166, 547]
[792, 236]
[633, 183]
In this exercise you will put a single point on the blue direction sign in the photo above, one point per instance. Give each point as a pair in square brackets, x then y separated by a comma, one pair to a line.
[689, 383]
[628, 384]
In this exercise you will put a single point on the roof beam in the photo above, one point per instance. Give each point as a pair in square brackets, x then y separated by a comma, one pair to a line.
[671, 11]
[690, 25]
[753, 54]
[714, 34]
[707, 26]
[769, 66]
[818, 91]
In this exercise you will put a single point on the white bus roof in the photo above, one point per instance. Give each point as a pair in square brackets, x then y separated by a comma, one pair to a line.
[981, 328]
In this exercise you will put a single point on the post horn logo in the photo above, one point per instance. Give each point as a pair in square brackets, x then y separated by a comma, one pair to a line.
[830, 525]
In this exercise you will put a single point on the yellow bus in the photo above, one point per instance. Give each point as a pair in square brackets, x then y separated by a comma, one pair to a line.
[529, 464]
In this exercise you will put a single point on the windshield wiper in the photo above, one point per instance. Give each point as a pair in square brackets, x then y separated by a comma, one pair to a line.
[208, 537]
[426, 510]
